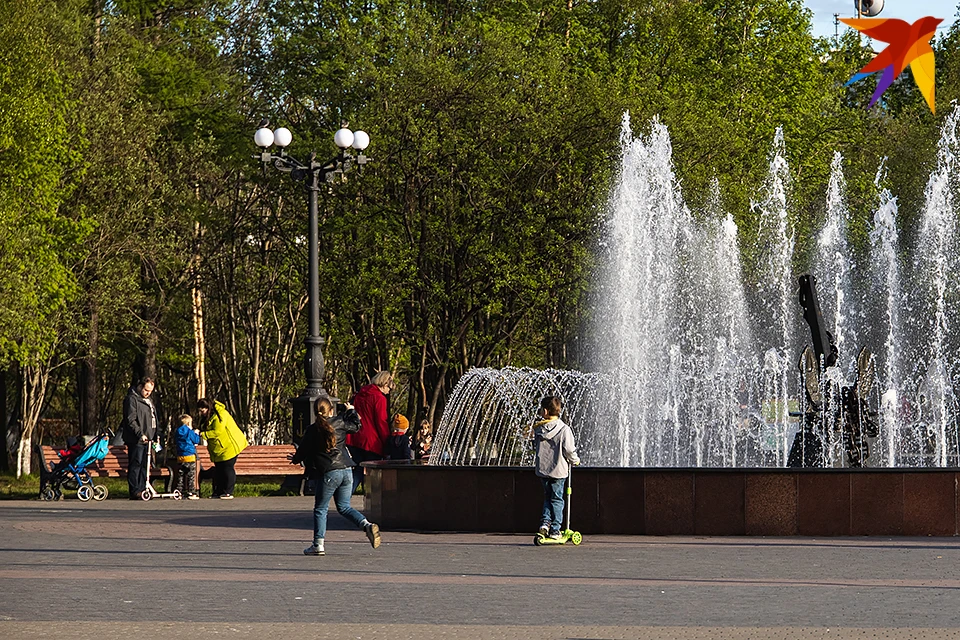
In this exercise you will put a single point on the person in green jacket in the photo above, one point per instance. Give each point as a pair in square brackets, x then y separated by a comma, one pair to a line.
[225, 442]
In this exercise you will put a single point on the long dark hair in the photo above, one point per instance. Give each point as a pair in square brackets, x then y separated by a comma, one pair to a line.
[207, 403]
[324, 406]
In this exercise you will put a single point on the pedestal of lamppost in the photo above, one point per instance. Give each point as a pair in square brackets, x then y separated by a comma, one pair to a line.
[304, 405]
[312, 173]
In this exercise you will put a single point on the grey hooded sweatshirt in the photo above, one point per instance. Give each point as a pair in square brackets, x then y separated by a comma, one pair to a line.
[555, 448]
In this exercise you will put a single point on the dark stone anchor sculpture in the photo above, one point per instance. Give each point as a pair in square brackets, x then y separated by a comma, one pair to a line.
[832, 410]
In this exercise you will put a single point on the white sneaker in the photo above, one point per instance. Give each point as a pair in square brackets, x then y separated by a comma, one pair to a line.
[373, 534]
[313, 550]
[226, 496]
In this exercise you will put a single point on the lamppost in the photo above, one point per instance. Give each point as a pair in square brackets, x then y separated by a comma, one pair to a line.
[312, 173]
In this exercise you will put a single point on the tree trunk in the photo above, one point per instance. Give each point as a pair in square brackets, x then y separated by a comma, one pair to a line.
[150, 370]
[90, 378]
[95, 40]
[4, 459]
[435, 397]
[33, 390]
[199, 342]
[150, 355]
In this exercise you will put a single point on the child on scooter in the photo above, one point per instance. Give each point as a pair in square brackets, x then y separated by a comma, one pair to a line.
[555, 450]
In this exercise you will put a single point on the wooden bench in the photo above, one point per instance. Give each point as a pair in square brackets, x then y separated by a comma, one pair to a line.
[255, 461]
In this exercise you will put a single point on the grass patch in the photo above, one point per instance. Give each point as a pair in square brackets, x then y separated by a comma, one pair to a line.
[22, 488]
[26, 488]
[252, 489]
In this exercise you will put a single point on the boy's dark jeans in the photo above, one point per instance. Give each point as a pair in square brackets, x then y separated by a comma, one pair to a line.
[185, 475]
[553, 503]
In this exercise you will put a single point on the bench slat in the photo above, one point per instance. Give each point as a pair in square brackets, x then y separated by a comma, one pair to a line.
[256, 460]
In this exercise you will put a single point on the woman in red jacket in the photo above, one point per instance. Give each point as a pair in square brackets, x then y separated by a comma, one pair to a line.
[370, 442]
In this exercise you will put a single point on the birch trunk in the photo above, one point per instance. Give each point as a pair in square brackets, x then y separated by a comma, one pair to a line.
[33, 390]
[199, 343]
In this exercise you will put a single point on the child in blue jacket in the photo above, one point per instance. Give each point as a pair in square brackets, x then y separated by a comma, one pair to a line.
[187, 439]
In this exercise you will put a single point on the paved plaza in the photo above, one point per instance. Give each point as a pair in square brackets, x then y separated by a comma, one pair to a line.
[235, 569]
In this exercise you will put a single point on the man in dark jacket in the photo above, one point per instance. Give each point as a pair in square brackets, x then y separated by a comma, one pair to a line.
[139, 428]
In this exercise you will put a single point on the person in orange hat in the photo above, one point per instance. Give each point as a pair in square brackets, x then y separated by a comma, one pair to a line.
[398, 445]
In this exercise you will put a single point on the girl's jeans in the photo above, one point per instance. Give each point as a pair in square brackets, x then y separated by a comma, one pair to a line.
[336, 484]
[553, 503]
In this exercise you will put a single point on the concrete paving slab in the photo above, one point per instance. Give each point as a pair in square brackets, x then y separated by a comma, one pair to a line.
[164, 569]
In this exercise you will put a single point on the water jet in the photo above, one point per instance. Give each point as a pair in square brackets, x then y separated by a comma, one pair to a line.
[688, 425]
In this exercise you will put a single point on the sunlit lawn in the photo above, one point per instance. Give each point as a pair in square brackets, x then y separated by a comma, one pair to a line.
[26, 488]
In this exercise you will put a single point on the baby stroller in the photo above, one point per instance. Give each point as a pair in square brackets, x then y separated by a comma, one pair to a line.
[70, 473]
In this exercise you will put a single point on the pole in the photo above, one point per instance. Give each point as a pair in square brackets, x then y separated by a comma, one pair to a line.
[310, 172]
[313, 358]
[303, 405]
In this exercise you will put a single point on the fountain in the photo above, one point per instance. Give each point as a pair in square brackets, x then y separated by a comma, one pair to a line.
[700, 399]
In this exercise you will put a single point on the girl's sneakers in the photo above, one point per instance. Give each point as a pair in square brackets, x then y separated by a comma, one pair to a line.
[373, 534]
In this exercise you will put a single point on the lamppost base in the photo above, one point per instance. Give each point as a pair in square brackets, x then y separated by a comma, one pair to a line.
[304, 410]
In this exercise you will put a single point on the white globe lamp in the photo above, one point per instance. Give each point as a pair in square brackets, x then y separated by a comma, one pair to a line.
[282, 137]
[263, 137]
[343, 138]
[360, 140]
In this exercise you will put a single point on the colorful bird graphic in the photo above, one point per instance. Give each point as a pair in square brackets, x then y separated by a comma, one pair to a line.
[909, 44]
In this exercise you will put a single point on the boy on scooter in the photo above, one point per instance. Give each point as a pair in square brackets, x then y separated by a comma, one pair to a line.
[555, 452]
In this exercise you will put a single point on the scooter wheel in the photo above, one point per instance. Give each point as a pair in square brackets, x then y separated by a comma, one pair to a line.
[576, 538]
[537, 540]
[84, 492]
[146, 495]
[177, 495]
[100, 492]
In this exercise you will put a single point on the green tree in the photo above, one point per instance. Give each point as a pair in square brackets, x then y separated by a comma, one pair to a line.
[37, 241]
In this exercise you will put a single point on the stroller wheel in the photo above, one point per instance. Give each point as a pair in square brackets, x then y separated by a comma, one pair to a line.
[48, 494]
[100, 492]
[84, 493]
[58, 495]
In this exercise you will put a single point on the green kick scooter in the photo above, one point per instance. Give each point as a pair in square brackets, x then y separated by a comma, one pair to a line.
[567, 535]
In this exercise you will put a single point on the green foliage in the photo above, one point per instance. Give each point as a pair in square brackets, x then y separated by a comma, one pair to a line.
[127, 178]
[37, 243]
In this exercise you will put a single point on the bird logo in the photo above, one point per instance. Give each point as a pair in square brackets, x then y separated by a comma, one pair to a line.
[909, 44]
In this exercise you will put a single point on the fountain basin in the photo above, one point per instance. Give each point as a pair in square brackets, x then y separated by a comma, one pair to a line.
[671, 501]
